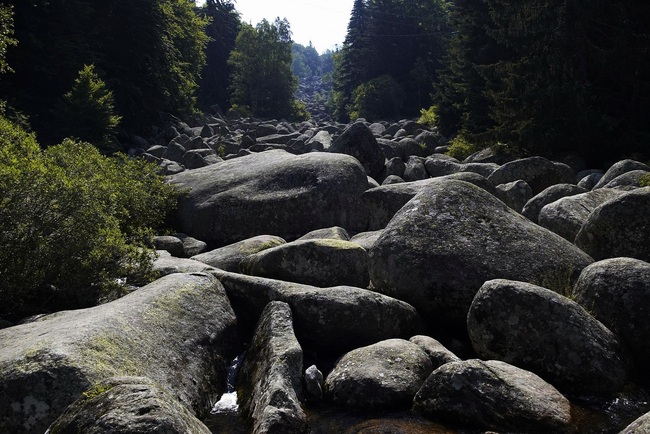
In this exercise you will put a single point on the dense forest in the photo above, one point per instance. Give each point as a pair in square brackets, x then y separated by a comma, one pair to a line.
[543, 76]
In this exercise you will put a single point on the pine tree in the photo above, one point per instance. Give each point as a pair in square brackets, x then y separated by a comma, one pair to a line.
[87, 112]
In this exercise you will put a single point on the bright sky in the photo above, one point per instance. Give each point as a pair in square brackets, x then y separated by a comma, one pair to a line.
[324, 23]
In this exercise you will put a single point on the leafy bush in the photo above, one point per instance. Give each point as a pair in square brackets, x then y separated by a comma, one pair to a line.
[72, 222]
[428, 116]
[379, 98]
[645, 180]
[460, 148]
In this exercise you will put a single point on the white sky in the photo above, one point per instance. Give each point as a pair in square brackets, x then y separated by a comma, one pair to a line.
[324, 23]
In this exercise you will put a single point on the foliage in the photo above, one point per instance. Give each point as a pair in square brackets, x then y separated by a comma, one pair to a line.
[306, 61]
[87, 112]
[460, 148]
[222, 30]
[428, 116]
[150, 53]
[6, 35]
[402, 39]
[379, 98]
[645, 180]
[544, 76]
[261, 77]
[71, 222]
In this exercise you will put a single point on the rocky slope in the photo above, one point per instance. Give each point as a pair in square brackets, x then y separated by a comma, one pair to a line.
[369, 272]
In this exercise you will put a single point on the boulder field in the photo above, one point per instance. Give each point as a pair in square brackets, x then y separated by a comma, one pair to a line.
[365, 273]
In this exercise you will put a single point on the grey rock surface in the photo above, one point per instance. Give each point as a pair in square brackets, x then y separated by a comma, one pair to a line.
[493, 395]
[385, 375]
[541, 331]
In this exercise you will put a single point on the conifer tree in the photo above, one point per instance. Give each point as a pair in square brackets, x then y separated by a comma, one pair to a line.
[87, 112]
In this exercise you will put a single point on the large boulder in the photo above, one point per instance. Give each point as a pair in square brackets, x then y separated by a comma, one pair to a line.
[617, 292]
[384, 201]
[228, 257]
[453, 236]
[179, 320]
[515, 194]
[493, 395]
[544, 332]
[385, 375]
[533, 207]
[618, 169]
[359, 142]
[641, 425]
[618, 227]
[270, 378]
[318, 262]
[126, 405]
[271, 192]
[566, 215]
[538, 172]
[438, 354]
[335, 319]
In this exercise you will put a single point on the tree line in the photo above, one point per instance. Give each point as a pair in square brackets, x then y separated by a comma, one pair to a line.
[543, 76]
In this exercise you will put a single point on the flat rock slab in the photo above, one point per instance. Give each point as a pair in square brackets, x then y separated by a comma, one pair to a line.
[179, 320]
[126, 405]
[274, 193]
[334, 319]
[493, 395]
[270, 384]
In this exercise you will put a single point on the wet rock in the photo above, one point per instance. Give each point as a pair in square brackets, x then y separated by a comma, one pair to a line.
[617, 292]
[313, 379]
[317, 262]
[453, 236]
[227, 258]
[541, 331]
[125, 405]
[493, 395]
[270, 385]
[616, 228]
[385, 375]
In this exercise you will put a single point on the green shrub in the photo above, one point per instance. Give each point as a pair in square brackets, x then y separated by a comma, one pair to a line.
[428, 116]
[87, 112]
[72, 222]
[460, 148]
[379, 98]
[645, 180]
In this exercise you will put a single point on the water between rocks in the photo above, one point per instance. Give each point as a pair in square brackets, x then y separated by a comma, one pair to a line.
[594, 418]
